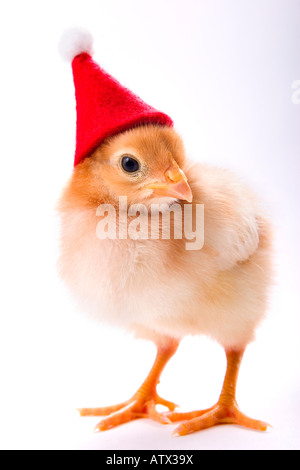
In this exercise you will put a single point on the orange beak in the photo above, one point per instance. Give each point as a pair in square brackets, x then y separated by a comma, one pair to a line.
[176, 184]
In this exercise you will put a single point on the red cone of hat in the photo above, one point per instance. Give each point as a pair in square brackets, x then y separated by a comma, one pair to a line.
[104, 107]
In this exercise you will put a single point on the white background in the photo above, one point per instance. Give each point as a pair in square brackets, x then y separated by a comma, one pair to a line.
[223, 69]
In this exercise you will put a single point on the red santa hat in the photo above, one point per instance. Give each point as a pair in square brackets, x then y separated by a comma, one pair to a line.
[104, 107]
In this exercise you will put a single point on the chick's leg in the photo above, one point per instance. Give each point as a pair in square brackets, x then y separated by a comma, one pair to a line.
[226, 411]
[144, 401]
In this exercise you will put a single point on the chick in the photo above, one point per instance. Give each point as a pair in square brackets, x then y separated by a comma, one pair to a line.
[156, 287]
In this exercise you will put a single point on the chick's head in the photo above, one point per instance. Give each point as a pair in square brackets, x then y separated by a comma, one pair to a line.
[144, 164]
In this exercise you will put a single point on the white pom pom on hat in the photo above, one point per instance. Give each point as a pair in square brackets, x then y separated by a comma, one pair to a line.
[75, 41]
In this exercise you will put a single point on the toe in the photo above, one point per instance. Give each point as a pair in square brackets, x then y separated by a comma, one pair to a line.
[152, 413]
[219, 414]
[247, 422]
[166, 403]
[205, 421]
[176, 416]
[104, 411]
[122, 416]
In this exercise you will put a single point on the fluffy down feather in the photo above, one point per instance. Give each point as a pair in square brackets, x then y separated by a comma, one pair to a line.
[156, 288]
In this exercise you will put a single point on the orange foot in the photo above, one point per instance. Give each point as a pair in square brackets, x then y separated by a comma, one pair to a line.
[219, 414]
[226, 411]
[144, 401]
[139, 406]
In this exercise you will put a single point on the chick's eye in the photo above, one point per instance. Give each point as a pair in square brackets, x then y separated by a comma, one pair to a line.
[130, 164]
